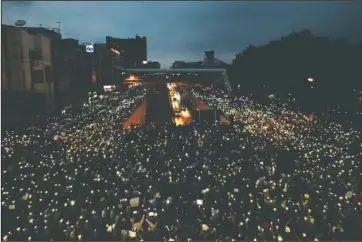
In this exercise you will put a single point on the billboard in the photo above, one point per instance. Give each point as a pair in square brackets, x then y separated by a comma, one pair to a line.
[109, 88]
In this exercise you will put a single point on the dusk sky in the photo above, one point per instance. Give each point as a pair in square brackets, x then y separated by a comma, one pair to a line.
[183, 30]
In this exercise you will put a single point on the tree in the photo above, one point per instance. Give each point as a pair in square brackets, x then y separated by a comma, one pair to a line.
[284, 65]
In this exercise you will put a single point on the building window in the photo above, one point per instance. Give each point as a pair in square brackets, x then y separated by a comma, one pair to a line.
[37, 76]
[35, 54]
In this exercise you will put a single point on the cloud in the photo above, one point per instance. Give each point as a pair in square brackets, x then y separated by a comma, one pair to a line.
[177, 30]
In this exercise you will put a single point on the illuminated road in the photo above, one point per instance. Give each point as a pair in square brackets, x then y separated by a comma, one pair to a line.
[182, 115]
[158, 108]
[163, 104]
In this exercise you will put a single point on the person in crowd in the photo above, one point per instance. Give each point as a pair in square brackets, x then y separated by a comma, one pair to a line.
[274, 174]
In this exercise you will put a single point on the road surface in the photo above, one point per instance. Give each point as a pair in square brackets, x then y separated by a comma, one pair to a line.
[158, 106]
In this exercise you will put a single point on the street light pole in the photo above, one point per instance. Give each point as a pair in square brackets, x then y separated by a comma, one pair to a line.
[59, 22]
[100, 71]
[45, 83]
[44, 76]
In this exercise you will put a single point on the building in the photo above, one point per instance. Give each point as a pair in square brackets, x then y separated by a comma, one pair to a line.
[73, 70]
[211, 62]
[40, 71]
[209, 55]
[151, 65]
[186, 65]
[102, 66]
[128, 53]
[178, 64]
[27, 68]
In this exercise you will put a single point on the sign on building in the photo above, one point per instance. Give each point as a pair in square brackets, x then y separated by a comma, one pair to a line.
[89, 48]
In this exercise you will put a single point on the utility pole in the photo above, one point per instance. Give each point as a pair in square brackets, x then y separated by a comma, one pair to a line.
[100, 70]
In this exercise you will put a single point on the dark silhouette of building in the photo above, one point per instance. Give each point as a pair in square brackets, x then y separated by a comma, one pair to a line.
[209, 55]
[178, 64]
[102, 66]
[151, 65]
[211, 62]
[81, 72]
[186, 65]
[128, 53]
[73, 70]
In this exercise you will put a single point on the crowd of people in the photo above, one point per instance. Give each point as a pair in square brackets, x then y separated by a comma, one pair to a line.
[274, 174]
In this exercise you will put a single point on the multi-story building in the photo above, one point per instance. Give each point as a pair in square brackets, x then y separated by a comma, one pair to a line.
[73, 72]
[27, 63]
[178, 64]
[151, 65]
[128, 53]
[209, 55]
[40, 71]
[102, 66]
[186, 65]
[211, 62]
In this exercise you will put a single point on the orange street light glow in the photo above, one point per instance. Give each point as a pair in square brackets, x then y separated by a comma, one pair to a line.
[115, 51]
[132, 78]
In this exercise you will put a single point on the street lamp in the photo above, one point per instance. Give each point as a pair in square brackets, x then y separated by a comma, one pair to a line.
[310, 81]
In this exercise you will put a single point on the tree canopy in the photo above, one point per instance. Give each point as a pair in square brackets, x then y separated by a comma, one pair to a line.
[286, 63]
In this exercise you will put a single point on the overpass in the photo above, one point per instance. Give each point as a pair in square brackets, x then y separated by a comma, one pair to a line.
[172, 75]
[191, 70]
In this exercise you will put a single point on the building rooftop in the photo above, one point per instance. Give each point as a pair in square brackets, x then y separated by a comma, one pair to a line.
[122, 39]
[39, 30]
[8, 26]
[43, 31]
[36, 30]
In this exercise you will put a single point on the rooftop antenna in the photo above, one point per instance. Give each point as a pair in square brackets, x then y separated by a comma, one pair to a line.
[59, 22]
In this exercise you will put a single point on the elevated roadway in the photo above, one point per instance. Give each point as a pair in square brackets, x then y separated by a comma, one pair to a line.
[188, 76]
